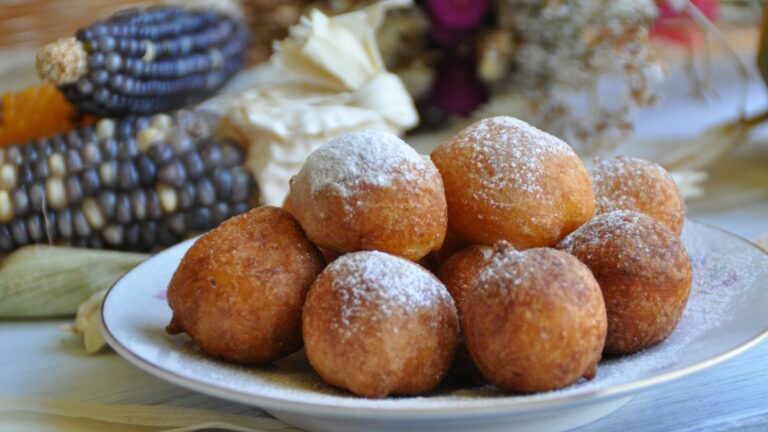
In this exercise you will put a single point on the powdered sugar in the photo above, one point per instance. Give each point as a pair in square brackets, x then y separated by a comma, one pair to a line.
[510, 153]
[375, 286]
[625, 223]
[367, 157]
[504, 262]
[624, 183]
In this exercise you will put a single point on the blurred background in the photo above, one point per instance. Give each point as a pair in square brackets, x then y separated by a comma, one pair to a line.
[675, 81]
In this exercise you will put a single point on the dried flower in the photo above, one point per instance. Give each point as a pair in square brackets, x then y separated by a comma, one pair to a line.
[457, 91]
[568, 50]
[674, 26]
[458, 14]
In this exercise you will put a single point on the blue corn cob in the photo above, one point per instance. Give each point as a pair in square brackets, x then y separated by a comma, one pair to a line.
[141, 62]
[137, 183]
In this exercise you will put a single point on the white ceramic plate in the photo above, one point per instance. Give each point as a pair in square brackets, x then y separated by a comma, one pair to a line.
[725, 316]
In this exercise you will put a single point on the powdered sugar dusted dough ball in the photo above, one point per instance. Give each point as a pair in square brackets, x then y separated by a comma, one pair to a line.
[644, 272]
[535, 321]
[638, 185]
[369, 190]
[506, 180]
[376, 325]
[460, 272]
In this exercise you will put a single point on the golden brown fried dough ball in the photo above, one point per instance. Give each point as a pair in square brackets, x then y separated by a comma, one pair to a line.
[506, 180]
[459, 273]
[644, 272]
[536, 320]
[240, 288]
[369, 190]
[435, 259]
[287, 204]
[376, 324]
[452, 245]
[638, 185]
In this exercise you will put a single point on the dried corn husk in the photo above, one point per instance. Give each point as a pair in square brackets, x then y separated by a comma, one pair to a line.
[44, 281]
[87, 323]
[327, 78]
[691, 183]
[699, 152]
[691, 160]
[762, 51]
[91, 416]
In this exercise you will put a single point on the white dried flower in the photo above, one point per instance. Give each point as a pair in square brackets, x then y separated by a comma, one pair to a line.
[570, 49]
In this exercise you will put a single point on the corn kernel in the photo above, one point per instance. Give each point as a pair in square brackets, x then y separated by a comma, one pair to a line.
[6, 208]
[56, 165]
[168, 198]
[93, 213]
[8, 177]
[55, 193]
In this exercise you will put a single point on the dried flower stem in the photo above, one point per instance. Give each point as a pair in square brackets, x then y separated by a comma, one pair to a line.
[702, 21]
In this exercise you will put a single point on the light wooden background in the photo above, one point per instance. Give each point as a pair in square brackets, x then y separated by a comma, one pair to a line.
[34, 23]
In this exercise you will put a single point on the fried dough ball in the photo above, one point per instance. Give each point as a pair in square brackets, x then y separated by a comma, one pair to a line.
[644, 272]
[376, 324]
[369, 190]
[288, 206]
[638, 185]
[535, 321]
[240, 288]
[459, 273]
[506, 180]
[435, 259]
[452, 245]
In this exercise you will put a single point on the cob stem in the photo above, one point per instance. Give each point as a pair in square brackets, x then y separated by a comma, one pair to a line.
[62, 62]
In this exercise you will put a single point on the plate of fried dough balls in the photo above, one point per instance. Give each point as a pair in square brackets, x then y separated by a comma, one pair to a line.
[495, 284]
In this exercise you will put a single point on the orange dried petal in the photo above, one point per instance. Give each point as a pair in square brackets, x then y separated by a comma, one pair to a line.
[36, 112]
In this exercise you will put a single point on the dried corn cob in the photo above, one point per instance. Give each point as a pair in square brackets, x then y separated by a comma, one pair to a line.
[36, 112]
[137, 183]
[146, 61]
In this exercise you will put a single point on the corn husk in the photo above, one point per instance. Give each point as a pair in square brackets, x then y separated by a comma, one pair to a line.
[690, 183]
[46, 281]
[58, 414]
[325, 79]
[700, 152]
[87, 323]
[762, 51]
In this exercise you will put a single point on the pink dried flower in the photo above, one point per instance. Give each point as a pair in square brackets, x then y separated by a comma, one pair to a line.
[710, 8]
[673, 26]
[457, 90]
[458, 14]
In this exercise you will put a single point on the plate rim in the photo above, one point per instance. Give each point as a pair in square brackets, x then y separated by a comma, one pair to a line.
[284, 404]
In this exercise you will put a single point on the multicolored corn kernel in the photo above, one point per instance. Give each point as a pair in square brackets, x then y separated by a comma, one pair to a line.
[146, 61]
[36, 112]
[138, 183]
